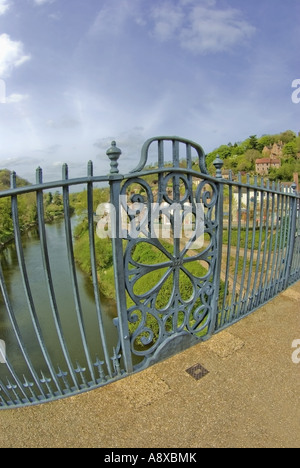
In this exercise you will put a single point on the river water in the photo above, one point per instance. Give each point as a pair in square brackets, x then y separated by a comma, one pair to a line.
[66, 305]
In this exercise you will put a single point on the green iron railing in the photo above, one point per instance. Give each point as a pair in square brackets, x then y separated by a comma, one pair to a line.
[192, 254]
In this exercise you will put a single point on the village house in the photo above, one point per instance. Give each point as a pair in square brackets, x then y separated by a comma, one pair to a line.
[263, 166]
[272, 159]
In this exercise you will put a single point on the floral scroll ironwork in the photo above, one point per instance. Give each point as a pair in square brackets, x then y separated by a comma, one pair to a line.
[169, 282]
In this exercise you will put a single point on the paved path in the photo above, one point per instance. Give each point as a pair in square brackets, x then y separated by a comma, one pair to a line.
[250, 398]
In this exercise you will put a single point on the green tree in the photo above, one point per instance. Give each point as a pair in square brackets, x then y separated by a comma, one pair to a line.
[284, 173]
[57, 199]
[49, 198]
[265, 140]
[245, 166]
[253, 142]
[288, 136]
[252, 155]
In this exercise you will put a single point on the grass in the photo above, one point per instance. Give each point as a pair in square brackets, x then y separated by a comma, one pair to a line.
[160, 297]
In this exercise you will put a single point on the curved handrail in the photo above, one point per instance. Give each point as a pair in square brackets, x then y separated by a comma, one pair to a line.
[175, 140]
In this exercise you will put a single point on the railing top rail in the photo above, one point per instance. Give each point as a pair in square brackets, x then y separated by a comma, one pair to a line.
[282, 189]
[52, 185]
[175, 141]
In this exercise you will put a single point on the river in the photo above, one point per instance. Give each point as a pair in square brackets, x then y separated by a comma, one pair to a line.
[66, 306]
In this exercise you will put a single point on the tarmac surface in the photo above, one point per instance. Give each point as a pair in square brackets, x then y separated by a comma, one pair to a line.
[249, 398]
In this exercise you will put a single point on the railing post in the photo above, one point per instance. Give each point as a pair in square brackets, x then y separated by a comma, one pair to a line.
[115, 180]
[292, 239]
[218, 163]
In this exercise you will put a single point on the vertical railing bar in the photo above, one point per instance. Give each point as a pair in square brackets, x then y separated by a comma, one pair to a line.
[189, 166]
[297, 257]
[285, 237]
[176, 153]
[161, 162]
[17, 332]
[237, 259]
[268, 271]
[16, 378]
[294, 270]
[12, 388]
[218, 266]
[250, 277]
[280, 247]
[291, 240]
[176, 177]
[94, 270]
[119, 275]
[258, 254]
[8, 396]
[275, 253]
[265, 248]
[49, 281]
[228, 253]
[189, 156]
[27, 288]
[161, 158]
[176, 240]
[248, 270]
[298, 254]
[248, 304]
[74, 281]
[241, 301]
[114, 154]
[272, 243]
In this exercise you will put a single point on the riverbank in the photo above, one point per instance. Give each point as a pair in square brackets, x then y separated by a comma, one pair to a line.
[27, 213]
[25, 229]
[5, 243]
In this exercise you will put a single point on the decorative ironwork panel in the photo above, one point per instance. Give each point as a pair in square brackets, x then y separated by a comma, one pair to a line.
[171, 253]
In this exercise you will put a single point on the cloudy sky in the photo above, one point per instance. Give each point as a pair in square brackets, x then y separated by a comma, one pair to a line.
[75, 74]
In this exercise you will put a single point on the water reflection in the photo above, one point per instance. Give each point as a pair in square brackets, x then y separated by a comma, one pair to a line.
[65, 303]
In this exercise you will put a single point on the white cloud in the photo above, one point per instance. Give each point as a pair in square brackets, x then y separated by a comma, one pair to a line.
[16, 98]
[109, 19]
[56, 16]
[64, 123]
[201, 28]
[167, 20]
[11, 55]
[113, 16]
[4, 6]
[43, 2]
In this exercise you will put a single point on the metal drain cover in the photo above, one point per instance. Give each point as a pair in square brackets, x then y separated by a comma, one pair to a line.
[197, 371]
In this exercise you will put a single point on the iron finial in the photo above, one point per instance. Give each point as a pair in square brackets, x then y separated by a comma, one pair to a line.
[218, 163]
[114, 154]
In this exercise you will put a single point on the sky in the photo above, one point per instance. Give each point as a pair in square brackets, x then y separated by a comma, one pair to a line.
[77, 74]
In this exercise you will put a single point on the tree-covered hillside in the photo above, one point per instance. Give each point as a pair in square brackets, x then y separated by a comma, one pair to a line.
[5, 180]
[27, 208]
[53, 205]
[241, 156]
